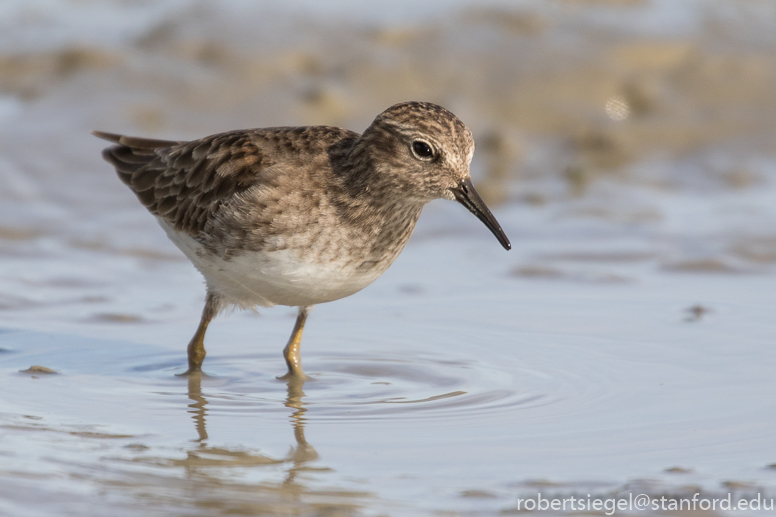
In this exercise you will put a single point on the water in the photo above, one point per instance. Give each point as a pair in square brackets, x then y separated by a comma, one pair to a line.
[624, 345]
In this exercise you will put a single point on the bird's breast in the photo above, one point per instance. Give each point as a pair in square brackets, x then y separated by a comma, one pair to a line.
[295, 276]
[288, 277]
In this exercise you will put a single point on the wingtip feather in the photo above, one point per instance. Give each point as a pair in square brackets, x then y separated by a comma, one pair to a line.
[110, 137]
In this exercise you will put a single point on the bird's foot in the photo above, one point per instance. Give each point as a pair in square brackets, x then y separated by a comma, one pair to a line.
[192, 371]
[294, 376]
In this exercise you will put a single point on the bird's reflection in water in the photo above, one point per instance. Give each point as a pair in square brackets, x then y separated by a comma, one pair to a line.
[208, 489]
[303, 452]
[204, 455]
[198, 406]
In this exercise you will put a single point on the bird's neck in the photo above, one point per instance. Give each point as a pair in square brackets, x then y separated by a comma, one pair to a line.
[364, 188]
[364, 199]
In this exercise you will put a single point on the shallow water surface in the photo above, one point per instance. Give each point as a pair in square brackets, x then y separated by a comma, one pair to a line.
[410, 407]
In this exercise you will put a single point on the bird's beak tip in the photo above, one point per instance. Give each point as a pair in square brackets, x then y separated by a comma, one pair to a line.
[468, 197]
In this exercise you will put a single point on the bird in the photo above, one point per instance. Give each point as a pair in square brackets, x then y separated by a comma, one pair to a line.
[299, 216]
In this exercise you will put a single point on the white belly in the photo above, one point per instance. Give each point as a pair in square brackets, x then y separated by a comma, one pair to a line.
[274, 278]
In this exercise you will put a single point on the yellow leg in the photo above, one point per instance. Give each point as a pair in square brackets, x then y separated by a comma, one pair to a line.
[291, 352]
[196, 348]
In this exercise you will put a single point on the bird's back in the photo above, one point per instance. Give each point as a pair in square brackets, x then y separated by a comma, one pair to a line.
[263, 205]
[187, 183]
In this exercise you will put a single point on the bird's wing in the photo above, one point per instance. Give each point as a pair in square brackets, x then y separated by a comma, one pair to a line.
[185, 183]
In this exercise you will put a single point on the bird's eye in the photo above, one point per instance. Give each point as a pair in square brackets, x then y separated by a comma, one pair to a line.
[422, 150]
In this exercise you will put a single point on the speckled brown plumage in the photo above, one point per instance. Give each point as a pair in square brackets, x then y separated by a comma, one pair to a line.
[299, 215]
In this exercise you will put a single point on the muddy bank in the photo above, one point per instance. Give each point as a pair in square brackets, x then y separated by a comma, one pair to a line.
[568, 90]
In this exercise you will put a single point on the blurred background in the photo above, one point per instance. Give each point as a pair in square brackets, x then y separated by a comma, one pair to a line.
[628, 148]
[615, 110]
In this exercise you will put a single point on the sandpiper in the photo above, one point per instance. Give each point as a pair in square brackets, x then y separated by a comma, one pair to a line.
[299, 215]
